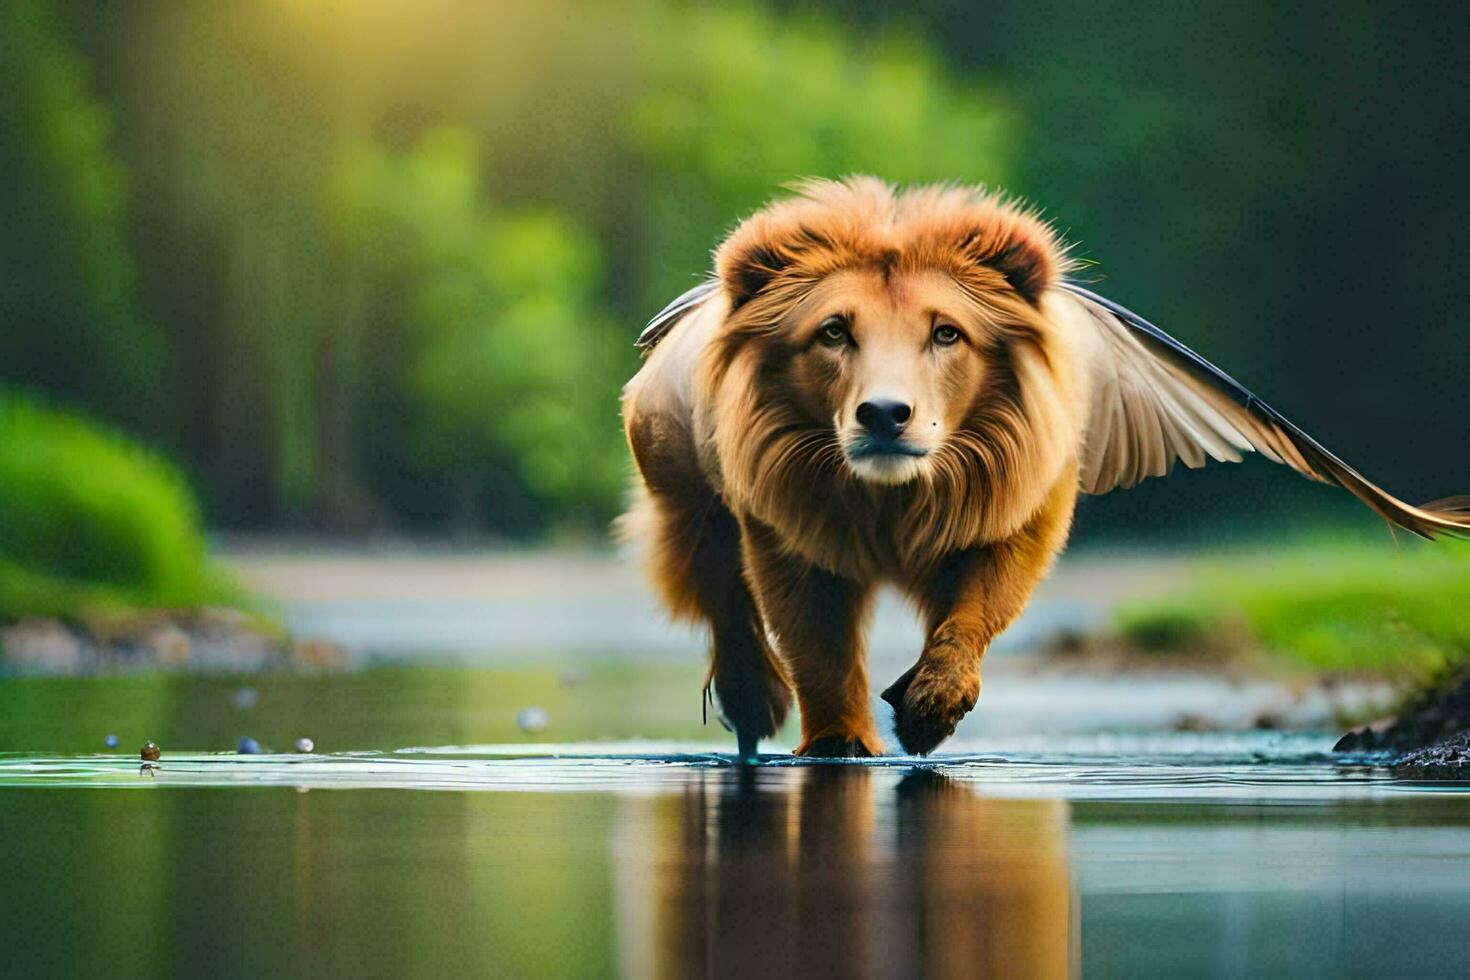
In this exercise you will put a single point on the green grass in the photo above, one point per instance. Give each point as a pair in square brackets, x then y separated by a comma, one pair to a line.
[93, 523]
[1400, 611]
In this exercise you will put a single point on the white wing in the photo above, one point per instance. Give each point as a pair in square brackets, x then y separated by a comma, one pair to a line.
[1154, 401]
[665, 384]
[670, 315]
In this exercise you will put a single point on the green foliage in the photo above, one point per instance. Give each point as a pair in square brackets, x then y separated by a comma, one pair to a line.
[1169, 626]
[400, 258]
[744, 102]
[1279, 186]
[90, 519]
[504, 350]
[66, 274]
[383, 270]
[1322, 607]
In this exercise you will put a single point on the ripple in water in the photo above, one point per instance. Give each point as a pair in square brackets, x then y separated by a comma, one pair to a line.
[1181, 766]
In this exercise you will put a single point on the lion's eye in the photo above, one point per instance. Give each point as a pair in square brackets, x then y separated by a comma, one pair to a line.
[944, 335]
[833, 332]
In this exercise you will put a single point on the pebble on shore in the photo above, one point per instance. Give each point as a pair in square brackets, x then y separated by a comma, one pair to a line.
[532, 720]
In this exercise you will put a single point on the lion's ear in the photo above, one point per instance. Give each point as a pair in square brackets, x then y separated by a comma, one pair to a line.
[1030, 270]
[747, 263]
[1022, 249]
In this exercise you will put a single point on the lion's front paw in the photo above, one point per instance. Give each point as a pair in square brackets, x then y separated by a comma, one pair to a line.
[929, 700]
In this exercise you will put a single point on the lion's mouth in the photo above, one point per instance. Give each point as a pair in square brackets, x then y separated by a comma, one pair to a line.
[880, 449]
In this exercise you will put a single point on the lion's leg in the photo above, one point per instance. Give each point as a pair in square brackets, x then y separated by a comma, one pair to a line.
[966, 603]
[819, 621]
[696, 565]
[695, 562]
[749, 680]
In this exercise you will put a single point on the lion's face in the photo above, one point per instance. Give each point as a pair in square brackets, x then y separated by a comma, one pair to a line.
[874, 340]
[890, 364]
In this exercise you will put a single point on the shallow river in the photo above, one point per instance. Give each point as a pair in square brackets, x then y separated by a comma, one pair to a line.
[1170, 854]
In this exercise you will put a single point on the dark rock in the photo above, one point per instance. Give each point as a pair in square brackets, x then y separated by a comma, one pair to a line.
[1439, 714]
[1068, 642]
[1364, 738]
[1269, 721]
[1189, 722]
[1451, 753]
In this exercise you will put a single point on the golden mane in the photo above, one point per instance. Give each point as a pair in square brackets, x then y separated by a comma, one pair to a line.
[786, 469]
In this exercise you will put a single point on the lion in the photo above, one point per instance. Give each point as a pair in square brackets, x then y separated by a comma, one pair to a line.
[905, 387]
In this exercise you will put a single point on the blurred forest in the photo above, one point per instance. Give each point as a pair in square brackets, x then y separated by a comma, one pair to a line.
[364, 266]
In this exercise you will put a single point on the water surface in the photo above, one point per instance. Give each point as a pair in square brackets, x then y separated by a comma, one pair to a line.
[1115, 854]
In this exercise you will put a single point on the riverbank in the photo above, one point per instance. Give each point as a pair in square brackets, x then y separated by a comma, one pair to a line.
[1088, 655]
[211, 639]
[1395, 610]
[1333, 612]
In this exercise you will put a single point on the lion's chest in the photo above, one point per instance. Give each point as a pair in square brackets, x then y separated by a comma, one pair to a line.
[858, 536]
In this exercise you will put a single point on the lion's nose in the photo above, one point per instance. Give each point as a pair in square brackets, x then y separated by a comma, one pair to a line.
[883, 419]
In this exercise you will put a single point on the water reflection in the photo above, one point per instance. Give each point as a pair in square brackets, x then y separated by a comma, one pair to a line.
[667, 867]
[824, 870]
[850, 872]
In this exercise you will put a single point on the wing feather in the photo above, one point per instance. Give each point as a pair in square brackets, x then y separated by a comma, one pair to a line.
[666, 319]
[1155, 401]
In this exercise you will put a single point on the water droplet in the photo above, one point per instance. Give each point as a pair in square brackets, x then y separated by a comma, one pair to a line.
[533, 720]
[305, 745]
[110, 741]
[248, 746]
